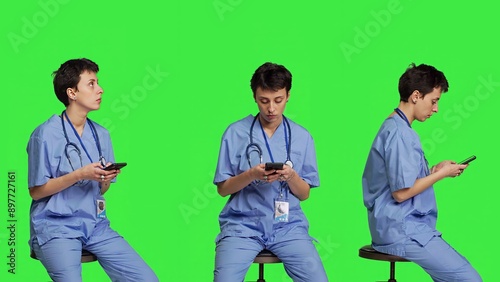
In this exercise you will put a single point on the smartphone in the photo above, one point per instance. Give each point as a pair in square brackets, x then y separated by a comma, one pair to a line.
[468, 160]
[115, 166]
[274, 166]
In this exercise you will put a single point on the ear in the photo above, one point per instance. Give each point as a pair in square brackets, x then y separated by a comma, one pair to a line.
[71, 93]
[287, 96]
[415, 96]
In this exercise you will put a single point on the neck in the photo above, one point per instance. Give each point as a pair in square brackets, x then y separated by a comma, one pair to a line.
[270, 127]
[407, 109]
[78, 118]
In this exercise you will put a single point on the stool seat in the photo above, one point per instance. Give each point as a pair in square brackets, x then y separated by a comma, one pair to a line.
[265, 256]
[369, 252]
[86, 256]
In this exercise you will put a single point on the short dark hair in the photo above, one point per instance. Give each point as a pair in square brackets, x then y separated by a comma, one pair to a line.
[271, 76]
[68, 76]
[423, 78]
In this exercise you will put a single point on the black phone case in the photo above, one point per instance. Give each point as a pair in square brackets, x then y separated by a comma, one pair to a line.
[468, 160]
[115, 166]
[274, 166]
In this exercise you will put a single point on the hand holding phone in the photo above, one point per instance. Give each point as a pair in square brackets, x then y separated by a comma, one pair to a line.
[115, 166]
[274, 166]
[468, 160]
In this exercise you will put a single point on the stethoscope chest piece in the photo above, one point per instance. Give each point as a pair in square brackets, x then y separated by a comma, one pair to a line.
[254, 147]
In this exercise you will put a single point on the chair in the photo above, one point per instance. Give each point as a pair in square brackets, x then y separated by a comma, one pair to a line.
[265, 256]
[86, 256]
[368, 252]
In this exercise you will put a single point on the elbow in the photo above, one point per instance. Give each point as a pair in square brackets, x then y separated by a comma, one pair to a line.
[34, 195]
[304, 196]
[399, 200]
[399, 197]
[222, 192]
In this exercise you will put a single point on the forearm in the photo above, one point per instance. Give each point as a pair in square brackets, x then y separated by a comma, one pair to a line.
[299, 187]
[234, 184]
[55, 185]
[105, 186]
[420, 185]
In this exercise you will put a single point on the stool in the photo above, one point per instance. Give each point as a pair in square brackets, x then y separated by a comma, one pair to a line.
[265, 256]
[86, 256]
[369, 252]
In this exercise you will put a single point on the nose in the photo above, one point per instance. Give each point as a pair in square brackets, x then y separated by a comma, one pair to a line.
[99, 89]
[272, 107]
[435, 108]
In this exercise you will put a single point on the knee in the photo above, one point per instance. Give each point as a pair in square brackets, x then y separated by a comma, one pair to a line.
[151, 278]
[308, 269]
[470, 276]
[227, 274]
[463, 274]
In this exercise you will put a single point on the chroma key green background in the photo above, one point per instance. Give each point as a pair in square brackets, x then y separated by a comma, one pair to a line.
[176, 73]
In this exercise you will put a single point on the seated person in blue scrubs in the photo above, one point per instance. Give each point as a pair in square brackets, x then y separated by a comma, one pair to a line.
[263, 210]
[66, 157]
[398, 184]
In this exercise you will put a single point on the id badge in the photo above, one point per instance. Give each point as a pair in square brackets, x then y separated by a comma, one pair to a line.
[281, 209]
[101, 208]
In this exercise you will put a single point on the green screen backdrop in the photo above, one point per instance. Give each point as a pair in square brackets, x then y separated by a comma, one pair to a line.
[176, 73]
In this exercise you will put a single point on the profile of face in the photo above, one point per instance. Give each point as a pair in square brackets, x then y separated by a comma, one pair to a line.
[88, 93]
[271, 104]
[426, 106]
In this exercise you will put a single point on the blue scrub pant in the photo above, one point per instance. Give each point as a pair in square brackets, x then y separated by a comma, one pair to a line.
[234, 256]
[441, 261]
[61, 258]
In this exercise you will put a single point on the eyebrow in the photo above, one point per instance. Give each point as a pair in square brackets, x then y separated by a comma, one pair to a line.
[278, 97]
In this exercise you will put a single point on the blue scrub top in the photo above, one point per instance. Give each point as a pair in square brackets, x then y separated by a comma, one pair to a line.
[396, 160]
[71, 213]
[250, 211]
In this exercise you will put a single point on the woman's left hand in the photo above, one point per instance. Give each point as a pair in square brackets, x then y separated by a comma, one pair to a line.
[284, 174]
[107, 175]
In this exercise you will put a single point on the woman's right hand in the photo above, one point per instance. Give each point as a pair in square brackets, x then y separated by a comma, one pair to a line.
[95, 171]
[257, 172]
[449, 168]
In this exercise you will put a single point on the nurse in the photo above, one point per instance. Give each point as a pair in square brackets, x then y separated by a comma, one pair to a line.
[398, 184]
[66, 157]
[263, 210]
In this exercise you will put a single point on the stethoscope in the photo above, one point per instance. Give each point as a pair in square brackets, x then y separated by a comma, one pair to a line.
[254, 147]
[73, 146]
[403, 116]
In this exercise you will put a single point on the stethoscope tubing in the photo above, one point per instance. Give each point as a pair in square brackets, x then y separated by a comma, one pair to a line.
[69, 143]
[254, 147]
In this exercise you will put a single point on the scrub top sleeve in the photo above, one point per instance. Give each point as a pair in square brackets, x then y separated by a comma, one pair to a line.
[401, 166]
[309, 171]
[38, 162]
[224, 168]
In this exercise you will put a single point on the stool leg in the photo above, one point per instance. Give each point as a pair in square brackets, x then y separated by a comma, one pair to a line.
[392, 278]
[261, 273]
